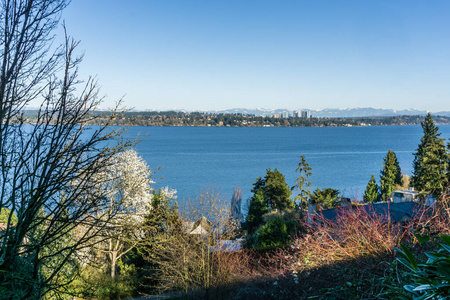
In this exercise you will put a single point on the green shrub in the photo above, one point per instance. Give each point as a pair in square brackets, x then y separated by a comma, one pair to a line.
[96, 283]
[431, 279]
[277, 232]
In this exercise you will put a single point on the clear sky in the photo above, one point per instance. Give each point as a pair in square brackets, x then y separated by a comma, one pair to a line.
[183, 54]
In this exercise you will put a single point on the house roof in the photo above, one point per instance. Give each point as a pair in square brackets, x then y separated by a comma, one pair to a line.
[202, 226]
[396, 212]
[199, 230]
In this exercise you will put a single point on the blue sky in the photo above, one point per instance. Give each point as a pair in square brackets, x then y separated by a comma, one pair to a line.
[182, 54]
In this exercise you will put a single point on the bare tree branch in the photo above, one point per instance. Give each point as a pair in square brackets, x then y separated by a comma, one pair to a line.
[48, 169]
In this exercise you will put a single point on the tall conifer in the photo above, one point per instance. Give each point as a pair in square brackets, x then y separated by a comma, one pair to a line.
[372, 191]
[431, 161]
[258, 208]
[391, 175]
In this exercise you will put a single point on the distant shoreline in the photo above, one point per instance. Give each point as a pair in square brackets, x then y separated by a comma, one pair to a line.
[196, 119]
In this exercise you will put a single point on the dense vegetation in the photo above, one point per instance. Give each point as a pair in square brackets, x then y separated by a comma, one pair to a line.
[172, 118]
[80, 218]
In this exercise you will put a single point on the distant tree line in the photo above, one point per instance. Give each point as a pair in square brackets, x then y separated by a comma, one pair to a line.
[173, 118]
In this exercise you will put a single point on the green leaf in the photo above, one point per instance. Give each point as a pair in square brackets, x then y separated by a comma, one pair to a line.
[426, 297]
[446, 239]
[422, 287]
[410, 257]
[409, 288]
[444, 269]
[435, 255]
[406, 263]
[446, 247]
[422, 238]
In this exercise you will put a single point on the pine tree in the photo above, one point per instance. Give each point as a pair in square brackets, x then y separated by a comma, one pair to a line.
[257, 209]
[326, 198]
[276, 191]
[372, 191]
[269, 193]
[391, 175]
[431, 161]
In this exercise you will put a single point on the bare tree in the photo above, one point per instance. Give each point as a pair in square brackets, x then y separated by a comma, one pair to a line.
[47, 168]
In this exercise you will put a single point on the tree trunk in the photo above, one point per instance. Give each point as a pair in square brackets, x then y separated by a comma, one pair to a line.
[113, 264]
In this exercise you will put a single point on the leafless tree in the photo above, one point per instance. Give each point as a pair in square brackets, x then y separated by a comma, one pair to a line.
[47, 168]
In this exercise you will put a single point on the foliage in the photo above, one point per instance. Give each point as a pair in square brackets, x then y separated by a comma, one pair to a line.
[349, 258]
[6, 214]
[406, 180]
[372, 191]
[185, 261]
[257, 209]
[47, 177]
[302, 182]
[390, 176]
[431, 160]
[276, 232]
[174, 118]
[161, 224]
[431, 280]
[163, 217]
[93, 282]
[325, 198]
[276, 191]
[270, 194]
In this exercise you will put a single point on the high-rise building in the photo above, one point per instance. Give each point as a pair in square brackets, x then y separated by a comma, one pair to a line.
[306, 114]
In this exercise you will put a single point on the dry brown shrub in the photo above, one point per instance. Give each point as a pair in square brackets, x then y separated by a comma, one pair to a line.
[355, 236]
[359, 233]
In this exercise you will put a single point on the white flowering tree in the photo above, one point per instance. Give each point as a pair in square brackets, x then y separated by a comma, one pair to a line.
[129, 200]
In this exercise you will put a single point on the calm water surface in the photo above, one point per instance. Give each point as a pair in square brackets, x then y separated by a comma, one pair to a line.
[195, 158]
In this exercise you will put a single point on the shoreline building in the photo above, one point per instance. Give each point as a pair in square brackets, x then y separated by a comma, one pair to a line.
[306, 114]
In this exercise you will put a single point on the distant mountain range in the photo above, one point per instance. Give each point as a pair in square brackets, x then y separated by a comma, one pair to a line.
[334, 113]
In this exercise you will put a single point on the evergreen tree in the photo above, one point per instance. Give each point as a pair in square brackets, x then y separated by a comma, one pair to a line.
[431, 161]
[269, 193]
[257, 209]
[302, 183]
[325, 198]
[372, 191]
[276, 191]
[258, 185]
[391, 175]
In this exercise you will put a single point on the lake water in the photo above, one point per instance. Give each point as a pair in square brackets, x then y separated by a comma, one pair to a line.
[196, 158]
